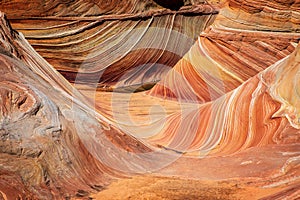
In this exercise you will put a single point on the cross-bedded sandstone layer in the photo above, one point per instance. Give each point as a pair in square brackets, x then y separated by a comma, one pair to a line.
[99, 42]
[227, 110]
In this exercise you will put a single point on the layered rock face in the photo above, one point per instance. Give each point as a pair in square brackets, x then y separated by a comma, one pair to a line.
[42, 118]
[246, 38]
[78, 109]
[78, 37]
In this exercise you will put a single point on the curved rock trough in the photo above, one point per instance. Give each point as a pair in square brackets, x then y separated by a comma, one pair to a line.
[150, 100]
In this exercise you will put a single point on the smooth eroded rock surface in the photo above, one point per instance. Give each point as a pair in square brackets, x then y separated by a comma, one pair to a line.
[185, 95]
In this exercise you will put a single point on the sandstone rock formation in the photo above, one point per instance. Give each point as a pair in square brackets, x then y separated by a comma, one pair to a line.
[78, 109]
[77, 38]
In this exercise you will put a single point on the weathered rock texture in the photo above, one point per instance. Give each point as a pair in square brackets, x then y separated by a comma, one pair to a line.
[224, 106]
[90, 42]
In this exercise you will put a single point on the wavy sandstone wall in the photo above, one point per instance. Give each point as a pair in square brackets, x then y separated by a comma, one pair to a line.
[93, 92]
